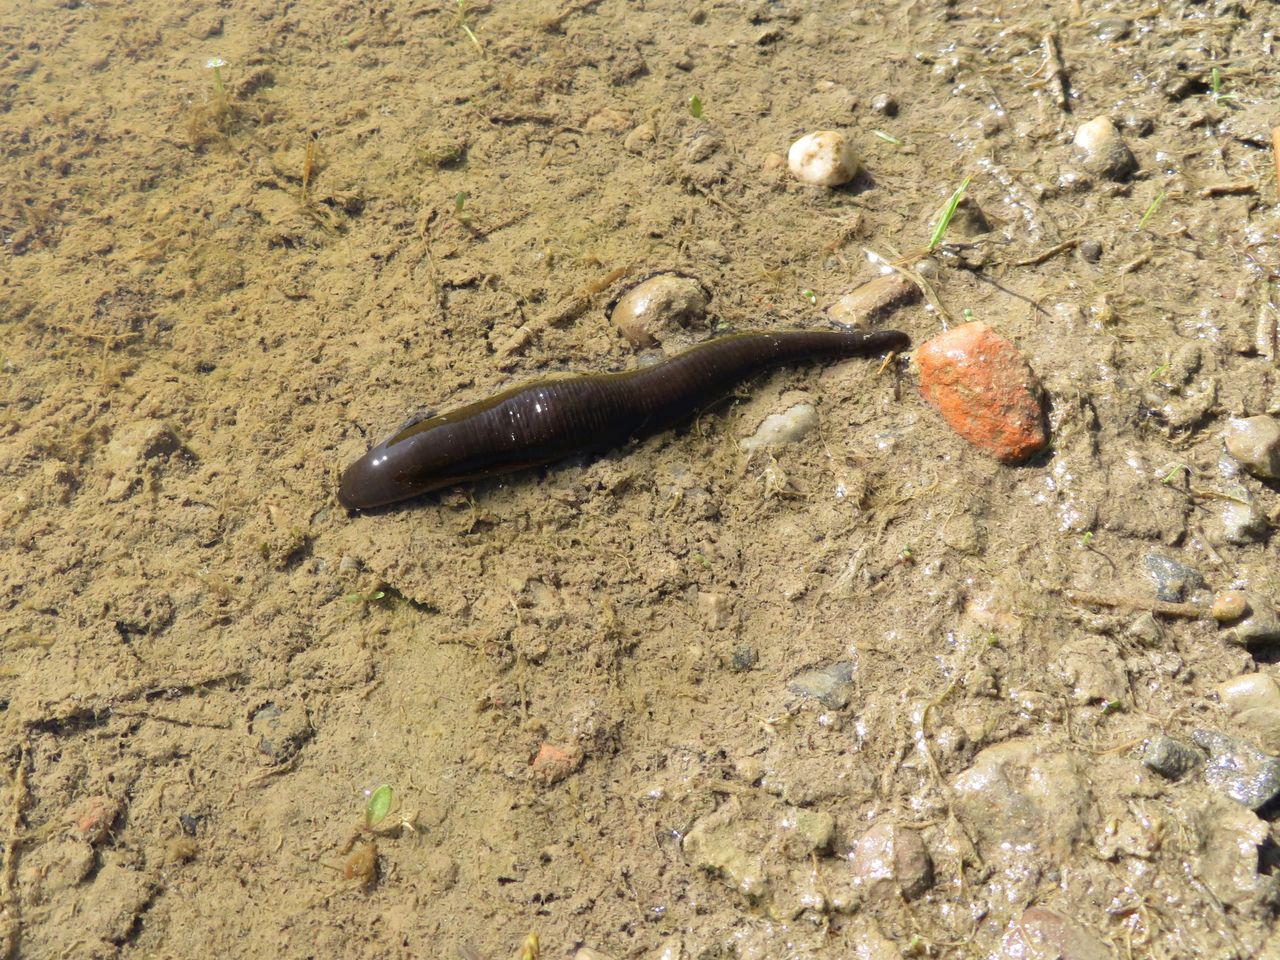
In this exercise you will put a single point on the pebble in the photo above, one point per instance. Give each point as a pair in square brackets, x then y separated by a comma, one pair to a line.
[1255, 443]
[985, 391]
[779, 429]
[1239, 770]
[1111, 29]
[1172, 578]
[90, 818]
[1249, 691]
[885, 104]
[1254, 700]
[832, 685]
[823, 159]
[553, 763]
[1237, 518]
[1041, 934]
[1170, 758]
[1090, 251]
[744, 658]
[654, 308]
[1102, 149]
[1229, 605]
[1259, 623]
[889, 859]
[875, 300]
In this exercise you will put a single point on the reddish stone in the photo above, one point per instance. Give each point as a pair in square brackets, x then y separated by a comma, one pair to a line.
[553, 764]
[985, 391]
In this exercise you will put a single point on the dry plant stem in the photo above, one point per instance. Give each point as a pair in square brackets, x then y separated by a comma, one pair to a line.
[1047, 254]
[1055, 79]
[1275, 151]
[1192, 611]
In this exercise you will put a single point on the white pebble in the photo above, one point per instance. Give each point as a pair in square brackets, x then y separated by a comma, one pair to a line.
[1255, 443]
[1249, 691]
[1102, 150]
[823, 159]
[782, 428]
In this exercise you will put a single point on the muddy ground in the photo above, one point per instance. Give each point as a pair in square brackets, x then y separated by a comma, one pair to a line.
[870, 694]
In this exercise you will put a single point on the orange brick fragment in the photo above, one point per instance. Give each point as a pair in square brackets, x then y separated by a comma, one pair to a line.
[553, 764]
[985, 391]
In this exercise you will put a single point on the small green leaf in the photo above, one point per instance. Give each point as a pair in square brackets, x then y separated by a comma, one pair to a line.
[378, 807]
[695, 107]
[948, 212]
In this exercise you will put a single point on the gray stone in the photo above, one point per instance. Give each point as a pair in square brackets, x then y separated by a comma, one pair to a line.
[832, 685]
[1172, 578]
[1170, 758]
[1239, 770]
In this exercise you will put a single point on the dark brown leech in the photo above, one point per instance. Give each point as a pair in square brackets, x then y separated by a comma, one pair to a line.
[550, 419]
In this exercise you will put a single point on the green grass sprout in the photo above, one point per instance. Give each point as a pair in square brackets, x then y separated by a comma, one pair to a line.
[887, 137]
[948, 212]
[459, 202]
[378, 806]
[695, 107]
[1152, 207]
[1215, 86]
[810, 296]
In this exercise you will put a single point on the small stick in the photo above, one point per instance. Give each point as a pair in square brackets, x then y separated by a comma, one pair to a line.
[1228, 189]
[1056, 78]
[1192, 611]
[1048, 254]
[1275, 149]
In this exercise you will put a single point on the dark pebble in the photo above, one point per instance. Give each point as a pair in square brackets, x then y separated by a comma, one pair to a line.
[743, 659]
[1170, 758]
[1172, 578]
[1239, 770]
[1090, 251]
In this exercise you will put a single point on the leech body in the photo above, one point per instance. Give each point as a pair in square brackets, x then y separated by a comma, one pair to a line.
[550, 419]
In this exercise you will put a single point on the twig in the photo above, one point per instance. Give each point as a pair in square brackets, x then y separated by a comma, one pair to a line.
[1048, 254]
[1056, 78]
[1228, 189]
[1192, 611]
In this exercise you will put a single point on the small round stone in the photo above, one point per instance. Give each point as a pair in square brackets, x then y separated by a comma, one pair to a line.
[1102, 149]
[652, 309]
[1229, 605]
[823, 159]
[1090, 251]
